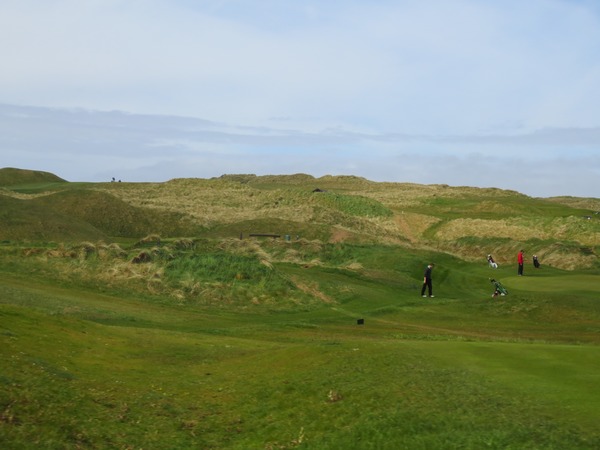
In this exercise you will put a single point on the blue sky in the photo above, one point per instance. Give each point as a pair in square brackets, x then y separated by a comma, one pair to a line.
[462, 92]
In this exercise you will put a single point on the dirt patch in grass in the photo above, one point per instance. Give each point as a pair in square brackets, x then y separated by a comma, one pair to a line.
[339, 235]
[312, 289]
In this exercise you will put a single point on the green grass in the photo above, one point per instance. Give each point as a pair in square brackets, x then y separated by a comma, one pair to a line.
[120, 367]
[10, 176]
[354, 205]
[214, 342]
[571, 283]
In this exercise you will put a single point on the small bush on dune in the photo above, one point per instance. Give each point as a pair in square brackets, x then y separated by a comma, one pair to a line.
[151, 239]
[355, 266]
[116, 250]
[55, 253]
[86, 249]
[110, 251]
[312, 246]
[164, 253]
[33, 251]
[184, 244]
[189, 286]
[142, 257]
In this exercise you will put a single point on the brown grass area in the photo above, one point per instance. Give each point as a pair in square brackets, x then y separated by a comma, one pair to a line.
[522, 229]
[23, 196]
[555, 257]
[504, 228]
[413, 225]
[224, 200]
[407, 195]
[220, 201]
[578, 202]
[238, 198]
[212, 202]
[339, 235]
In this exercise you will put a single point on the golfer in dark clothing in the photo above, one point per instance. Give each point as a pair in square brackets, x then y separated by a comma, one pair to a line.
[427, 281]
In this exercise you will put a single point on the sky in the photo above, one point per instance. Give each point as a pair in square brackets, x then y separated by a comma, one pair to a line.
[481, 93]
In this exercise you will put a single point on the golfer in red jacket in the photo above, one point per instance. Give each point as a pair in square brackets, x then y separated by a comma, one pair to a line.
[520, 261]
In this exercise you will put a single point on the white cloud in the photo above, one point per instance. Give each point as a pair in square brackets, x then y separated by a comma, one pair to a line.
[81, 145]
[505, 79]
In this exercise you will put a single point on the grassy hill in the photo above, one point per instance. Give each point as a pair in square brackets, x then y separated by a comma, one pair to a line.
[467, 222]
[40, 206]
[27, 221]
[10, 176]
[145, 315]
[113, 216]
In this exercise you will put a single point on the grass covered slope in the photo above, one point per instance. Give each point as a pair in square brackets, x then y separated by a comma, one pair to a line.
[26, 221]
[113, 216]
[10, 176]
[236, 344]
[134, 316]
[467, 222]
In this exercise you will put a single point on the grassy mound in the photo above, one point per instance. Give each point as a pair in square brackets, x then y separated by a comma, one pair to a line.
[13, 177]
[113, 216]
[464, 221]
[27, 221]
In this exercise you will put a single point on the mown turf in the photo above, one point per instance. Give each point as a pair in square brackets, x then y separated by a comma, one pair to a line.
[120, 369]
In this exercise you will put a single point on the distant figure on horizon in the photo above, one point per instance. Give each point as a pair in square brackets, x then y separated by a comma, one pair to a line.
[491, 262]
[427, 283]
[520, 260]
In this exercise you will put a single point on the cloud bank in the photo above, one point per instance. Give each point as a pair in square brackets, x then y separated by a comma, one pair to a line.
[81, 145]
[465, 92]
